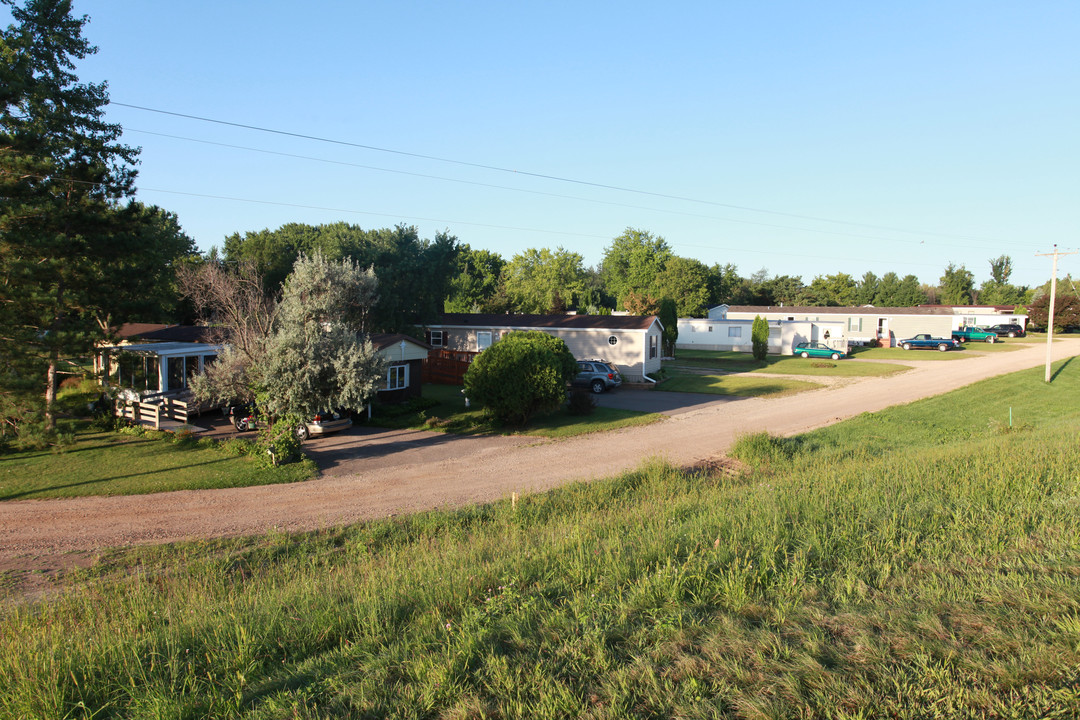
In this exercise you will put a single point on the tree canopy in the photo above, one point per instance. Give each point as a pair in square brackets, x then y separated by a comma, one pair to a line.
[414, 274]
[542, 281]
[73, 258]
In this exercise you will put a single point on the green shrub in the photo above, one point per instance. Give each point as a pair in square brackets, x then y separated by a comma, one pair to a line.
[521, 375]
[238, 446]
[759, 336]
[581, 402]
[278, 443]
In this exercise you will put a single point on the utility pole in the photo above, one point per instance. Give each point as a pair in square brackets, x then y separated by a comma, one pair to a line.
[1053, 295]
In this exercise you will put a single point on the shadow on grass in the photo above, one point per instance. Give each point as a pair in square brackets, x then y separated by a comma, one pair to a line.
[1061, 367]
[50, 488]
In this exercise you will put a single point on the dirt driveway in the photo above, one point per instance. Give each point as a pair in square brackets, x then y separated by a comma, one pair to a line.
[390, 473]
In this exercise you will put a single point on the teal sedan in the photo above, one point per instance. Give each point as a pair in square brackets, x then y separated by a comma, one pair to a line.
[815, 349]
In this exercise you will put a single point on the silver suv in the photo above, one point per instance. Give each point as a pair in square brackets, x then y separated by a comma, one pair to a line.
[597, 375]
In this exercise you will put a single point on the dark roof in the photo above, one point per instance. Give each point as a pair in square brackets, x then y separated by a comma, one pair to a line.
[580, 322]
[833, 310]
[385, 340]
[179, 333]
[1008, 309]
[133, 330]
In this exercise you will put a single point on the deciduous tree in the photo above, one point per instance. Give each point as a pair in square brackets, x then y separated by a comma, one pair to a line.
[632, 262]
[957, 285]
[542, 281]
[319, 356]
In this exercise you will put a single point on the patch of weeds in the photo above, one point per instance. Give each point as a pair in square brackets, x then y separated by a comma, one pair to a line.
[823, 365]
[432, 423]
[763, 449]
[237, 447]
[1002, 428]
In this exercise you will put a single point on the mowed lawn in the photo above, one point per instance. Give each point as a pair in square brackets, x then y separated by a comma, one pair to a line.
[445, 411]
[915, 563]
[109, 463]
[728, 361]
[734, 384]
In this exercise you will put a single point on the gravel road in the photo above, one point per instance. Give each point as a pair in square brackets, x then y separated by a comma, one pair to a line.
[414, 471]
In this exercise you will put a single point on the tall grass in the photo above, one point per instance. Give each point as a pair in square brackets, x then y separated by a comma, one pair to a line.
[828, 580]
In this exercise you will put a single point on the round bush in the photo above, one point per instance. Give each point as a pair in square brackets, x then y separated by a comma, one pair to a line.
[523, 374]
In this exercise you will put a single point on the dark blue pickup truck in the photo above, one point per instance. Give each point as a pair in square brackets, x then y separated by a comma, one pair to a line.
[923, 341]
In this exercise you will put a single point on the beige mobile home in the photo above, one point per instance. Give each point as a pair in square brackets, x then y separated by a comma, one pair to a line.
[630, 341]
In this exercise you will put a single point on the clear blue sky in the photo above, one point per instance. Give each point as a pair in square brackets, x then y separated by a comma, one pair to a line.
[806, 138]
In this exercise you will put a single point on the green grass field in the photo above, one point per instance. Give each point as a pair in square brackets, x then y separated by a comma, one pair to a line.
[110, 463]
[745, 363]
[449, 414]
[920, 562]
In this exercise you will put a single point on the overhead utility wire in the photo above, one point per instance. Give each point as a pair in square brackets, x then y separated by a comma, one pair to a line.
[542, 193]
[472, 224]
[543, 176]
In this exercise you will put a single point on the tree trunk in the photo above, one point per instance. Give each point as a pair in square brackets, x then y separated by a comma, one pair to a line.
[50, 395]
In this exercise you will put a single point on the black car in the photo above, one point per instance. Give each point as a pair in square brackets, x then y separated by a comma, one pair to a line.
[1008, 330]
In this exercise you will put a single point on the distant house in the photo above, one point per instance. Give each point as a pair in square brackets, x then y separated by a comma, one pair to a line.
[630, 341]
[720, 332]
[984, 315]
[404, 356]
[861, 325]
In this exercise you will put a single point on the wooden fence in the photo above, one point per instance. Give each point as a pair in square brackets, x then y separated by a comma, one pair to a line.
[446, 367]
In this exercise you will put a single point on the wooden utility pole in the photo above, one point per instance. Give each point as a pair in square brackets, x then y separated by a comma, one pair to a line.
[1053, 295]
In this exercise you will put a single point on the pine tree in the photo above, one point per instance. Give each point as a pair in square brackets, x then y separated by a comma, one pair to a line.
[63, 173]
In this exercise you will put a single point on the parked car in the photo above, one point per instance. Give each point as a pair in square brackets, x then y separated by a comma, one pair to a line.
[245, 418]
[816, 349]
[597, 375]
[324, 423]
[970, 332]
[924, 341]
[1008, 330]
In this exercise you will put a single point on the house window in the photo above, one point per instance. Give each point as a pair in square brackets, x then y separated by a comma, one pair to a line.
[652, 346]
[710, 328]
[436, 338]
[613, 340]
[483, 340]
[734, 332]
[397, 377]
[854, 324]
[969, 320]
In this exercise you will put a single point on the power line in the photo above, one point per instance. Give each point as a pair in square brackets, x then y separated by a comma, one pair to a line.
[549, 194]
[542, 176]
[352, 211]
